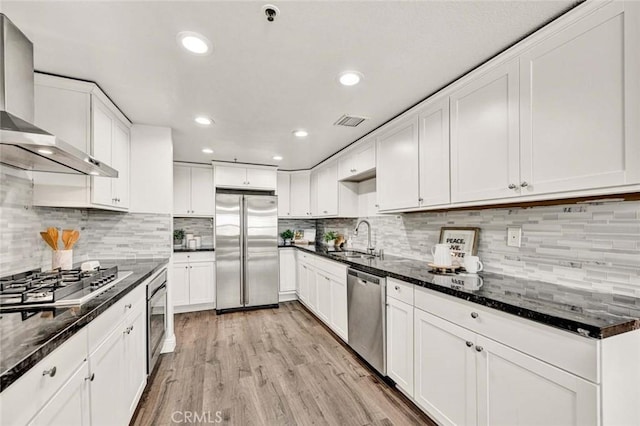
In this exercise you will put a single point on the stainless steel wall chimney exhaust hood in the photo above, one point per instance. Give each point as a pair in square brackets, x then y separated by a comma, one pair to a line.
[22, 144]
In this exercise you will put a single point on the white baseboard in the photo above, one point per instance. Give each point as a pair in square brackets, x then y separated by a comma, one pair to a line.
[169, 344]
[286, 296]
[193, 308]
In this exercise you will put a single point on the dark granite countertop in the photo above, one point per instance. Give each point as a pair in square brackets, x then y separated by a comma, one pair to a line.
[590, 314]
[185, 250]
[27, 337]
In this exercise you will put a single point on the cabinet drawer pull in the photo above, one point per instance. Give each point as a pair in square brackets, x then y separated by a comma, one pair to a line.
[474, 315]
[50, 372]
[91, 377]
[479, 348]
[469, 344]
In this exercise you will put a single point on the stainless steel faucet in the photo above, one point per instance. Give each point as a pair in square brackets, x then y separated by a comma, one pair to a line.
[370, 248]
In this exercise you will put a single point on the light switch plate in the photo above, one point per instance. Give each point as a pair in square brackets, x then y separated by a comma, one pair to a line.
[514, 236]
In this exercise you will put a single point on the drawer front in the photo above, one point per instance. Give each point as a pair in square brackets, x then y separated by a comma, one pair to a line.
[24, 398]
[338, 270]
[400, 290]
[196, 256]
[100, 327]
[568, 351]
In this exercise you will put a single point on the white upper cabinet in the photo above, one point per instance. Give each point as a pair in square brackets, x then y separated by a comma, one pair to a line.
[232, 176]
[193, 192]
[328, 190]
[284, 194]
[359, 164]
[300, 195]
[111, 144]
[397, 165]
[81, 115]
[485, 143]
[433, 134]
[579, 111]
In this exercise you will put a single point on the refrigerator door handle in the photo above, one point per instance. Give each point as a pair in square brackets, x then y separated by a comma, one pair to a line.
[242, 250]
[245, 247]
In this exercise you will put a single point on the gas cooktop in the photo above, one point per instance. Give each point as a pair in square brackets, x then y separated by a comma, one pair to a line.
[56, 288]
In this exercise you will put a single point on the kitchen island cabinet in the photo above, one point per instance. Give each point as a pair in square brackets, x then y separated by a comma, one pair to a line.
[96, 375]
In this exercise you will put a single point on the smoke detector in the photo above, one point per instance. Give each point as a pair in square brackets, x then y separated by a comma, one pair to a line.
[271, 12]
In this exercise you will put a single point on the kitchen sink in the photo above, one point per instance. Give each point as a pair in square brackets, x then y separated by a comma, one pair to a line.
[353, 255]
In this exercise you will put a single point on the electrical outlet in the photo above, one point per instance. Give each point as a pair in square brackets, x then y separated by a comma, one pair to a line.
[514, 236]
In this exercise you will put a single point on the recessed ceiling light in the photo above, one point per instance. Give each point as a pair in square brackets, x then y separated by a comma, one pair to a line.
[203, 121]
[350, 78]
[207, 150]
[45, 151]
[300, 133]
[277, 157]
[194, 42]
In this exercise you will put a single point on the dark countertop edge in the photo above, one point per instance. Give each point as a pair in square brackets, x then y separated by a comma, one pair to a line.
[526, 313]
[12, 374]
[194, 251]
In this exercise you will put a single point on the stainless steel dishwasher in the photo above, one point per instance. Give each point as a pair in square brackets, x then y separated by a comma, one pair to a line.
[366, 297]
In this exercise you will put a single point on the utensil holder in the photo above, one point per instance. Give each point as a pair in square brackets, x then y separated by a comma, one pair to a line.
[62, 259]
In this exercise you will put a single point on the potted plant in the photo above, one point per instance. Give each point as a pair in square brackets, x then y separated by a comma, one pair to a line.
[287, 236]
[330, 237]
[178, 237]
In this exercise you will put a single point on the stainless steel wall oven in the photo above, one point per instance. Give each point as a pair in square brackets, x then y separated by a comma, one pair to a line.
[156, 318]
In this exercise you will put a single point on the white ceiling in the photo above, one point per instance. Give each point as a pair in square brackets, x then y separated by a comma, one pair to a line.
[263, 80]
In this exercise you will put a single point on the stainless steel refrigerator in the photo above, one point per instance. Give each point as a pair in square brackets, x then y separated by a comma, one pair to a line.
[247, 263]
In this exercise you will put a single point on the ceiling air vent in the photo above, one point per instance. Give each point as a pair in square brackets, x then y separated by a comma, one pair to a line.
[349, 121]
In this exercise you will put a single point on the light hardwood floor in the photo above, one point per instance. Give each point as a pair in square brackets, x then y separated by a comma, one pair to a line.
[267, 367]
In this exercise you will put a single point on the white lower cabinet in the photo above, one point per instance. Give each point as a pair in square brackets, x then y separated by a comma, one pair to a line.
[445, 377]
[108, 406]
[193, 282]
[516, 389]
[400, 344]
[70, 405]
[463, 378]
[322, 287]
[287, 287]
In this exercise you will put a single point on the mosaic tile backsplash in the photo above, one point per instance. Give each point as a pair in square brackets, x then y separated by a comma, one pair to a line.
[592, 246]
[104, 234]
[202, 226]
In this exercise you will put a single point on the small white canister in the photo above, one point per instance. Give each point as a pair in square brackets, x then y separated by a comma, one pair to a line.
[62, 259]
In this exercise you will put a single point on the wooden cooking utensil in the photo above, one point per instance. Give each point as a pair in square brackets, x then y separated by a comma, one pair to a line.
[53, 233]
[67, 234]
[75, 236]
[47, 239]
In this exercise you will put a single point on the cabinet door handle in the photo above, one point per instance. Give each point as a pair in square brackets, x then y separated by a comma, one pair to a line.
[420, 199]
[127, 306]
[91, 377]
[128, 329]
[479, 348]
[50, 372]
[326, 212]
[397, 288]
[524, 184]
[474, 315]
[512, 186]
[469, 344]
